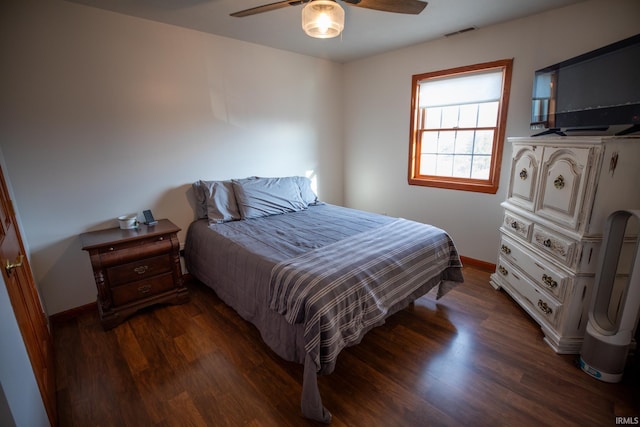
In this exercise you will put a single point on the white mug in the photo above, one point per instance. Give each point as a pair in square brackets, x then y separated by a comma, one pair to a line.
[128, 222]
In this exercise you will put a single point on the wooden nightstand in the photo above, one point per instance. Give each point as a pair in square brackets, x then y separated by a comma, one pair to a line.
[134, 269]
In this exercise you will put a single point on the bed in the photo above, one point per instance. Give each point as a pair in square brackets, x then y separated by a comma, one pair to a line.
[311, 276]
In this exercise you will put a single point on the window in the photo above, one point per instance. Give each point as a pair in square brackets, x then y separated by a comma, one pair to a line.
[457, 126]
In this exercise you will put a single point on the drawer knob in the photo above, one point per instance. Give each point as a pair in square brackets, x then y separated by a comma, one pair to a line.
[503, 270]
[141, 269]
[514, 224]
[544, 307]
[548, 280]
[523, 174]
[547, 243]
[160, 238]
[559, 182]
[505, 249]
[144, 289]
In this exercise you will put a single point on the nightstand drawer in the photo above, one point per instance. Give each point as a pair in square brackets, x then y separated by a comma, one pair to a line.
[139, 270]
[118, 254]
[164, 241]
[141, 289]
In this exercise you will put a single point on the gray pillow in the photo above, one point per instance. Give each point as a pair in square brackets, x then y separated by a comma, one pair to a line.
[267, 196]
[201, 199]
[307, 194]
[219, 201]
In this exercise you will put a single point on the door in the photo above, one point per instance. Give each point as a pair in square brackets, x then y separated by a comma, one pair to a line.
[563, 185]
[524, 175]
[25, 300]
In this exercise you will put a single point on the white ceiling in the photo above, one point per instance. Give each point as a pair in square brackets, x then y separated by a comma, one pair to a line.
[366, 32]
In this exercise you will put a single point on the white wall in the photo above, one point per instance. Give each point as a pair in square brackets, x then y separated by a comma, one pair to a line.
[377, 108]
[103, 114]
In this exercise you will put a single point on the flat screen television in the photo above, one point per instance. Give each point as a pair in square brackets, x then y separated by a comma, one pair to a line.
[590, 92]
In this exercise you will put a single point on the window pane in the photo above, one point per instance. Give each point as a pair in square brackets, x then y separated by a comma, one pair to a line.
[481, 167]
[429, 142]
[428, 164]
[445, 165]
[462, 166]
[468, 115]
[464, 142]
[484, 142]
[446, 142]
[488, 114]
[433, 118]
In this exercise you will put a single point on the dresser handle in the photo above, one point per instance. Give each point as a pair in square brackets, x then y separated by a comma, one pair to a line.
[559, 182]
[160, 238]
[144, 289]
[548, 280]
[544, 307]
[502, 270]
[514, 224]
[505, 249]
[141, 269]
[547, 243]
[523, 174]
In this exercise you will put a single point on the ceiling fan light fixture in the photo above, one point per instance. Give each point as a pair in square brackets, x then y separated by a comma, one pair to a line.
[323, 19]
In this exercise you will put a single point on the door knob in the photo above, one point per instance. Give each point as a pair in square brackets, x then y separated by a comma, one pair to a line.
[9, 267]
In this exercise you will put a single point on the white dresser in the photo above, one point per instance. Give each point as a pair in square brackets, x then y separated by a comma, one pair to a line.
[561, 191]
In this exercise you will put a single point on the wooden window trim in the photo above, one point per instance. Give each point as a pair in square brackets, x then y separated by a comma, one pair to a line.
[466, 184]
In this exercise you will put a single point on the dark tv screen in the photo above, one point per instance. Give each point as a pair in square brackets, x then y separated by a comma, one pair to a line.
[595, 90]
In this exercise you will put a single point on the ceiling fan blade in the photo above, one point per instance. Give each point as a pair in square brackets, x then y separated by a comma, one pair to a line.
[266, 8]
[410, 7]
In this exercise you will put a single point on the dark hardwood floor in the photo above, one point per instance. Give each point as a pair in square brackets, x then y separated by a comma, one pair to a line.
[474, 358]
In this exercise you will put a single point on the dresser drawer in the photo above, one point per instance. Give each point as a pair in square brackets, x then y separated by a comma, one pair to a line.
[141, 289]
[545, 276]
[540, 305]
[516, 225]
[558, 246]
[139, 270]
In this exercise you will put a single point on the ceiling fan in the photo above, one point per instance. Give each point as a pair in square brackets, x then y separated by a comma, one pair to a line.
[325, 18]
[411, 7]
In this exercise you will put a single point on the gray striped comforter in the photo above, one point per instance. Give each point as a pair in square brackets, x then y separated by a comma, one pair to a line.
[340, 291]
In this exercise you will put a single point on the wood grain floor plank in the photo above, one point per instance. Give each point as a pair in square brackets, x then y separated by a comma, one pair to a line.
[130, 349]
